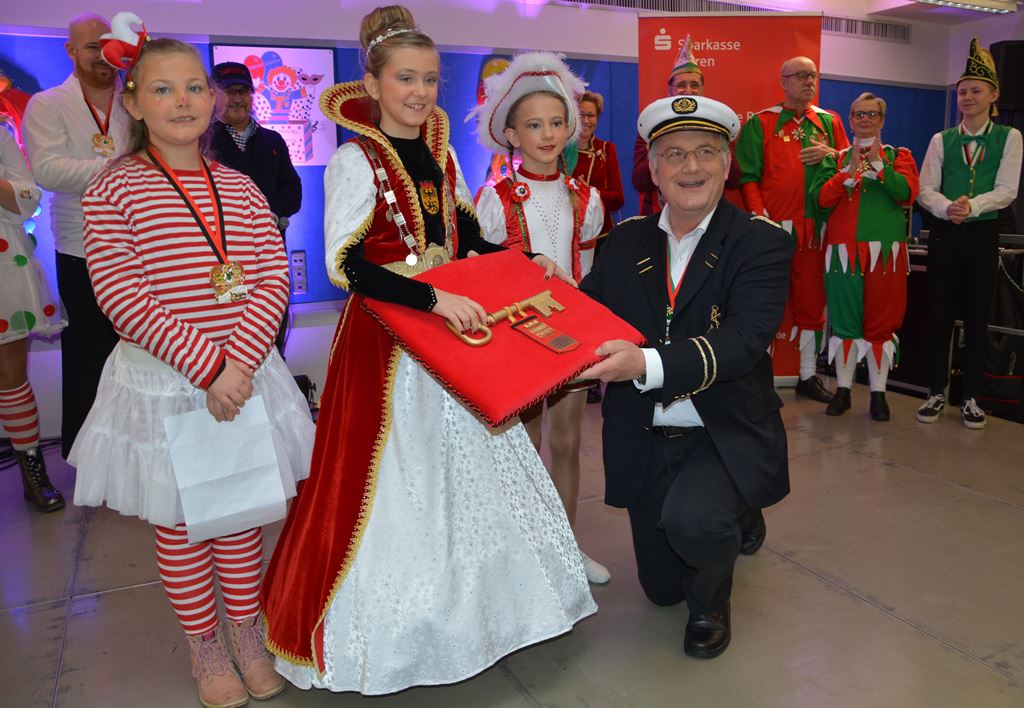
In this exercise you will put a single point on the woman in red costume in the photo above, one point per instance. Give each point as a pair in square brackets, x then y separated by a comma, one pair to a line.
[425, 546]
[598, 162]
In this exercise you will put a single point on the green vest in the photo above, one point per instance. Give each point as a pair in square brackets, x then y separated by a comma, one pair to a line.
[959, 179]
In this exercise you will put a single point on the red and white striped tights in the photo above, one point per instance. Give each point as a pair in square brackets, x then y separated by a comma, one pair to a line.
[187, 575]
[20, 417]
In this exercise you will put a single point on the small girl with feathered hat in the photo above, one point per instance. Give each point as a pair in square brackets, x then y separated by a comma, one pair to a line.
[533, 108]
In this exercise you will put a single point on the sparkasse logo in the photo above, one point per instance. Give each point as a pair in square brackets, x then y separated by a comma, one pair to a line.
[663, 41]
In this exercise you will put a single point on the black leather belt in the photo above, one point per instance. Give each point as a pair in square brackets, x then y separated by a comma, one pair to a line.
[673, 431]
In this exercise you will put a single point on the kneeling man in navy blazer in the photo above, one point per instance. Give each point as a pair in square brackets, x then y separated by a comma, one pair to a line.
[693, 437]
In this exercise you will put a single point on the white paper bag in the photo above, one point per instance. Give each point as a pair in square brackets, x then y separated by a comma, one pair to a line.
[227, 473]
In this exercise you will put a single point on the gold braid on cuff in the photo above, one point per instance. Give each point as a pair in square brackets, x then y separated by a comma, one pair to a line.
[714, 361]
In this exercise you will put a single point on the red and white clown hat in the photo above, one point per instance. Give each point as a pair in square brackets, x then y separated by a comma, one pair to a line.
[122, 46]
[528, 73]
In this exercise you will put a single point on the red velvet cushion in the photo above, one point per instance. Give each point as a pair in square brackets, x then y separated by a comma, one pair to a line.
[512, 372]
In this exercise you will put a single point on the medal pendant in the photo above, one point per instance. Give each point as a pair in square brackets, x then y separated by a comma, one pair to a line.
[103, 145]
[228, 281]
[435, 255]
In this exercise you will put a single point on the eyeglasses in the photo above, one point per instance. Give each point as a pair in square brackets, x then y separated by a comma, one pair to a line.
[677, 156]
[801, 75]
[587, 115]
[861, 115]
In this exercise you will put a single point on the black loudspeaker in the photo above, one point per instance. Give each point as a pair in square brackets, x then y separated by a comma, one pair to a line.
[1009, 56]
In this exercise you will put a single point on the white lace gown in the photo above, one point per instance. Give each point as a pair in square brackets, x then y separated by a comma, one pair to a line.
[467, 555]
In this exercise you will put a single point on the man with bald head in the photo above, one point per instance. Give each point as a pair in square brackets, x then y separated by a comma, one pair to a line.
[71, 132]
[779, 150]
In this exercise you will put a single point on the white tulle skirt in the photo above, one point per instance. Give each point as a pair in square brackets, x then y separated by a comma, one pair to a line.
[467, 555]
[121, 452]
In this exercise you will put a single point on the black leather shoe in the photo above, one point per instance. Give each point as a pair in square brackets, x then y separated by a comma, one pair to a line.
[708, 635]
[38, 488]
[813, 388]
[840, 402]
[878, 408]
[752, 531]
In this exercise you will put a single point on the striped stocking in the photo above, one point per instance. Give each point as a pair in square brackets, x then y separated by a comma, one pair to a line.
[20, 417]
[187, 575]
[239, 560]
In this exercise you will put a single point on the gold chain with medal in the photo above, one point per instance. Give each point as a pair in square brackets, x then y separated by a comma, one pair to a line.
[433, 255]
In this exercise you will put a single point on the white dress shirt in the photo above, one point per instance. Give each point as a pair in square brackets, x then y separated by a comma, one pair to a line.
[682, 414]
[1002, 194]
[58, 130]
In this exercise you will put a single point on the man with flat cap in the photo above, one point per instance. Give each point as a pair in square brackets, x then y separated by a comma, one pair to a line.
[693, 437]
[257, 152]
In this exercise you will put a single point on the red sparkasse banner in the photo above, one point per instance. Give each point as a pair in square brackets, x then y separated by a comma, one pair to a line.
[741, 57]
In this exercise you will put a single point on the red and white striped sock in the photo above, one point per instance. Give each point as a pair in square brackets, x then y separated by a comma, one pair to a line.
[239, 560]
[187, 574]
[20, 417]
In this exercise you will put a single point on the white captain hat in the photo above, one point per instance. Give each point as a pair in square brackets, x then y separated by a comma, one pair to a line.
[675, 113]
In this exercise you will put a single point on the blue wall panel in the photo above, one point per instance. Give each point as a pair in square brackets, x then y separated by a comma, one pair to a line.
[37, 63]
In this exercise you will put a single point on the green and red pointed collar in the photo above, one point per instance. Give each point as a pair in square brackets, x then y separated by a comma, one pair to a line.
[786, 114]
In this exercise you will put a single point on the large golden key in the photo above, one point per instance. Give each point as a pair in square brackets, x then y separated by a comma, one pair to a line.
[543, 303]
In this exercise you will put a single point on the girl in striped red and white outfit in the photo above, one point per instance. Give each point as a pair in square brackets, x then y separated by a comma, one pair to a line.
[167, 235]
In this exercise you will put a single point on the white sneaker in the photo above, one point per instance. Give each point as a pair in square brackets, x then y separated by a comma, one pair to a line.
[596, 573]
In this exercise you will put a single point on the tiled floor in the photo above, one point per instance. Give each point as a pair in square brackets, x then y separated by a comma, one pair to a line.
[893, 575]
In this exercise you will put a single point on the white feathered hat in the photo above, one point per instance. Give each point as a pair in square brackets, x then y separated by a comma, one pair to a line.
[528, 73]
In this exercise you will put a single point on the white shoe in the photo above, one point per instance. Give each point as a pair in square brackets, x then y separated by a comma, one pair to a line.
[596, 573]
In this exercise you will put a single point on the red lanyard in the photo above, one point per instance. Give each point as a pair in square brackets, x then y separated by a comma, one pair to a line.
[215, 234]
[105, 125]
[673, 290]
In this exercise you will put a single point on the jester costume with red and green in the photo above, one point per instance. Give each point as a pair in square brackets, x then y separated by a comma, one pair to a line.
[866, 262]
[425, 545]
[775, 183]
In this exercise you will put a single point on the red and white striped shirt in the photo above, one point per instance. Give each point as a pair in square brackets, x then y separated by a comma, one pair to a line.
[150, 266]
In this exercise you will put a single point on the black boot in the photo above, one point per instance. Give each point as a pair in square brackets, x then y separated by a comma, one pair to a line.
[38, 488]
[840, 402]
[878, 408]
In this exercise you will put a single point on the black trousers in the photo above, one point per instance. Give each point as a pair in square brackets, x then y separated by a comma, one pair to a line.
[85, 344]
[962, 261]
[686, 530]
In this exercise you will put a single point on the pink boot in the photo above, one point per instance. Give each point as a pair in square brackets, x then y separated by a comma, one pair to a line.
[218, 684]
[252, 657]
